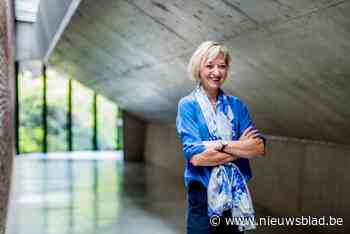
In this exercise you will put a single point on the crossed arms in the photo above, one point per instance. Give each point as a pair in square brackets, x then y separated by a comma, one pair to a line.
[249, 145]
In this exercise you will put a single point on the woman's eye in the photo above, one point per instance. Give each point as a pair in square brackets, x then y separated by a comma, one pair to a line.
[209, 66]
[222, 66]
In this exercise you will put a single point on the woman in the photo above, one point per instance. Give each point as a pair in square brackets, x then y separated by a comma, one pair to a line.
[218, 138]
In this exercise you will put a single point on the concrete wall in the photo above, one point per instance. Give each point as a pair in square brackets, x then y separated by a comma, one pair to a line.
[297, 177]
[304, 178]
[163, 148]
[6, 106]
[134, 137]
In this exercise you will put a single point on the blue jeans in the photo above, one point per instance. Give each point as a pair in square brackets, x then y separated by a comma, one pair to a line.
[197, 213]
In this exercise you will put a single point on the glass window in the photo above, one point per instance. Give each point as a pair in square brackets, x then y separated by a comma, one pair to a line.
[30, 95]
[120, 129]
[30, 99]
[57, 101]
[82, 117]
[107, 124]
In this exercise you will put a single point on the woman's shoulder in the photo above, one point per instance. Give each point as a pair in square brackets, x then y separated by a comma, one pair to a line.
[237, 104]
[187, 101]
[235, 100]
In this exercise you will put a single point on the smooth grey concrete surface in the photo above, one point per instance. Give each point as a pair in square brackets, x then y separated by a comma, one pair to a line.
[163, 148]
[6, 106]
[134, 137]
[304, 178]
[290, 58]
[295, 178]
[82, 196]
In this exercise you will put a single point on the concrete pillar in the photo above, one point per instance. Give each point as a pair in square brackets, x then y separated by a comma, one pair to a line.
[134, 137]
[6, 106]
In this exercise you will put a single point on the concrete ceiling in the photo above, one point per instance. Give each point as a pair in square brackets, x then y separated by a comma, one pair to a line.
[291, 59]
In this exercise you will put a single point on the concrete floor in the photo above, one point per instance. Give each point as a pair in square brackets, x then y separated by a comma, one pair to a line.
[76, 196]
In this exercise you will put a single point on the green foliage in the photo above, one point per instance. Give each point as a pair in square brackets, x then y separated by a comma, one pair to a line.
[57, 126]
[31, 107]
[30, 132]
[31, 139]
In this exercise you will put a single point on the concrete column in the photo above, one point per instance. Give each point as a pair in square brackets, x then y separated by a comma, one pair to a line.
[134, 137]
[6, 106]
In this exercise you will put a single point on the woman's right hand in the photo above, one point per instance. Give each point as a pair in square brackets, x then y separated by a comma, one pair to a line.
[215, 145]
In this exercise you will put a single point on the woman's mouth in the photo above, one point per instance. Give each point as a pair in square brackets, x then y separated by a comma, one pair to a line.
[215, 79]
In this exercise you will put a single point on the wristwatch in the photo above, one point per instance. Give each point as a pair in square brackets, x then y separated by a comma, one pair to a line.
[223, 145]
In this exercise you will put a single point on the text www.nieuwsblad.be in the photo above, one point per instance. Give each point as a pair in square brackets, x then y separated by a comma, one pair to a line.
[280, 221]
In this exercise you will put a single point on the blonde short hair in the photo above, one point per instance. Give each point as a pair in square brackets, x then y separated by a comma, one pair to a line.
[207, 51]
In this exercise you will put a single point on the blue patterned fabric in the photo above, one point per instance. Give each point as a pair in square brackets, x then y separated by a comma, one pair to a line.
[192, 130]
[227, 188]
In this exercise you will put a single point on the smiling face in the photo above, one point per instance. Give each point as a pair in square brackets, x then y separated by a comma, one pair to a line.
[213, 73]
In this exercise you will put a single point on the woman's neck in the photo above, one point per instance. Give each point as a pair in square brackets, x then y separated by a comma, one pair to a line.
[212, 94]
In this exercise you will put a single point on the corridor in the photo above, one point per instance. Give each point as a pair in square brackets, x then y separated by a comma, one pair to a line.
[98, 193]
[86, 195]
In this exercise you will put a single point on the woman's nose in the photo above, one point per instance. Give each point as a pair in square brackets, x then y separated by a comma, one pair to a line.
[216, 70]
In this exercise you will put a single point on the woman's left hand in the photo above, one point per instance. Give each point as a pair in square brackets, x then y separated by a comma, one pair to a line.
[249, 133]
